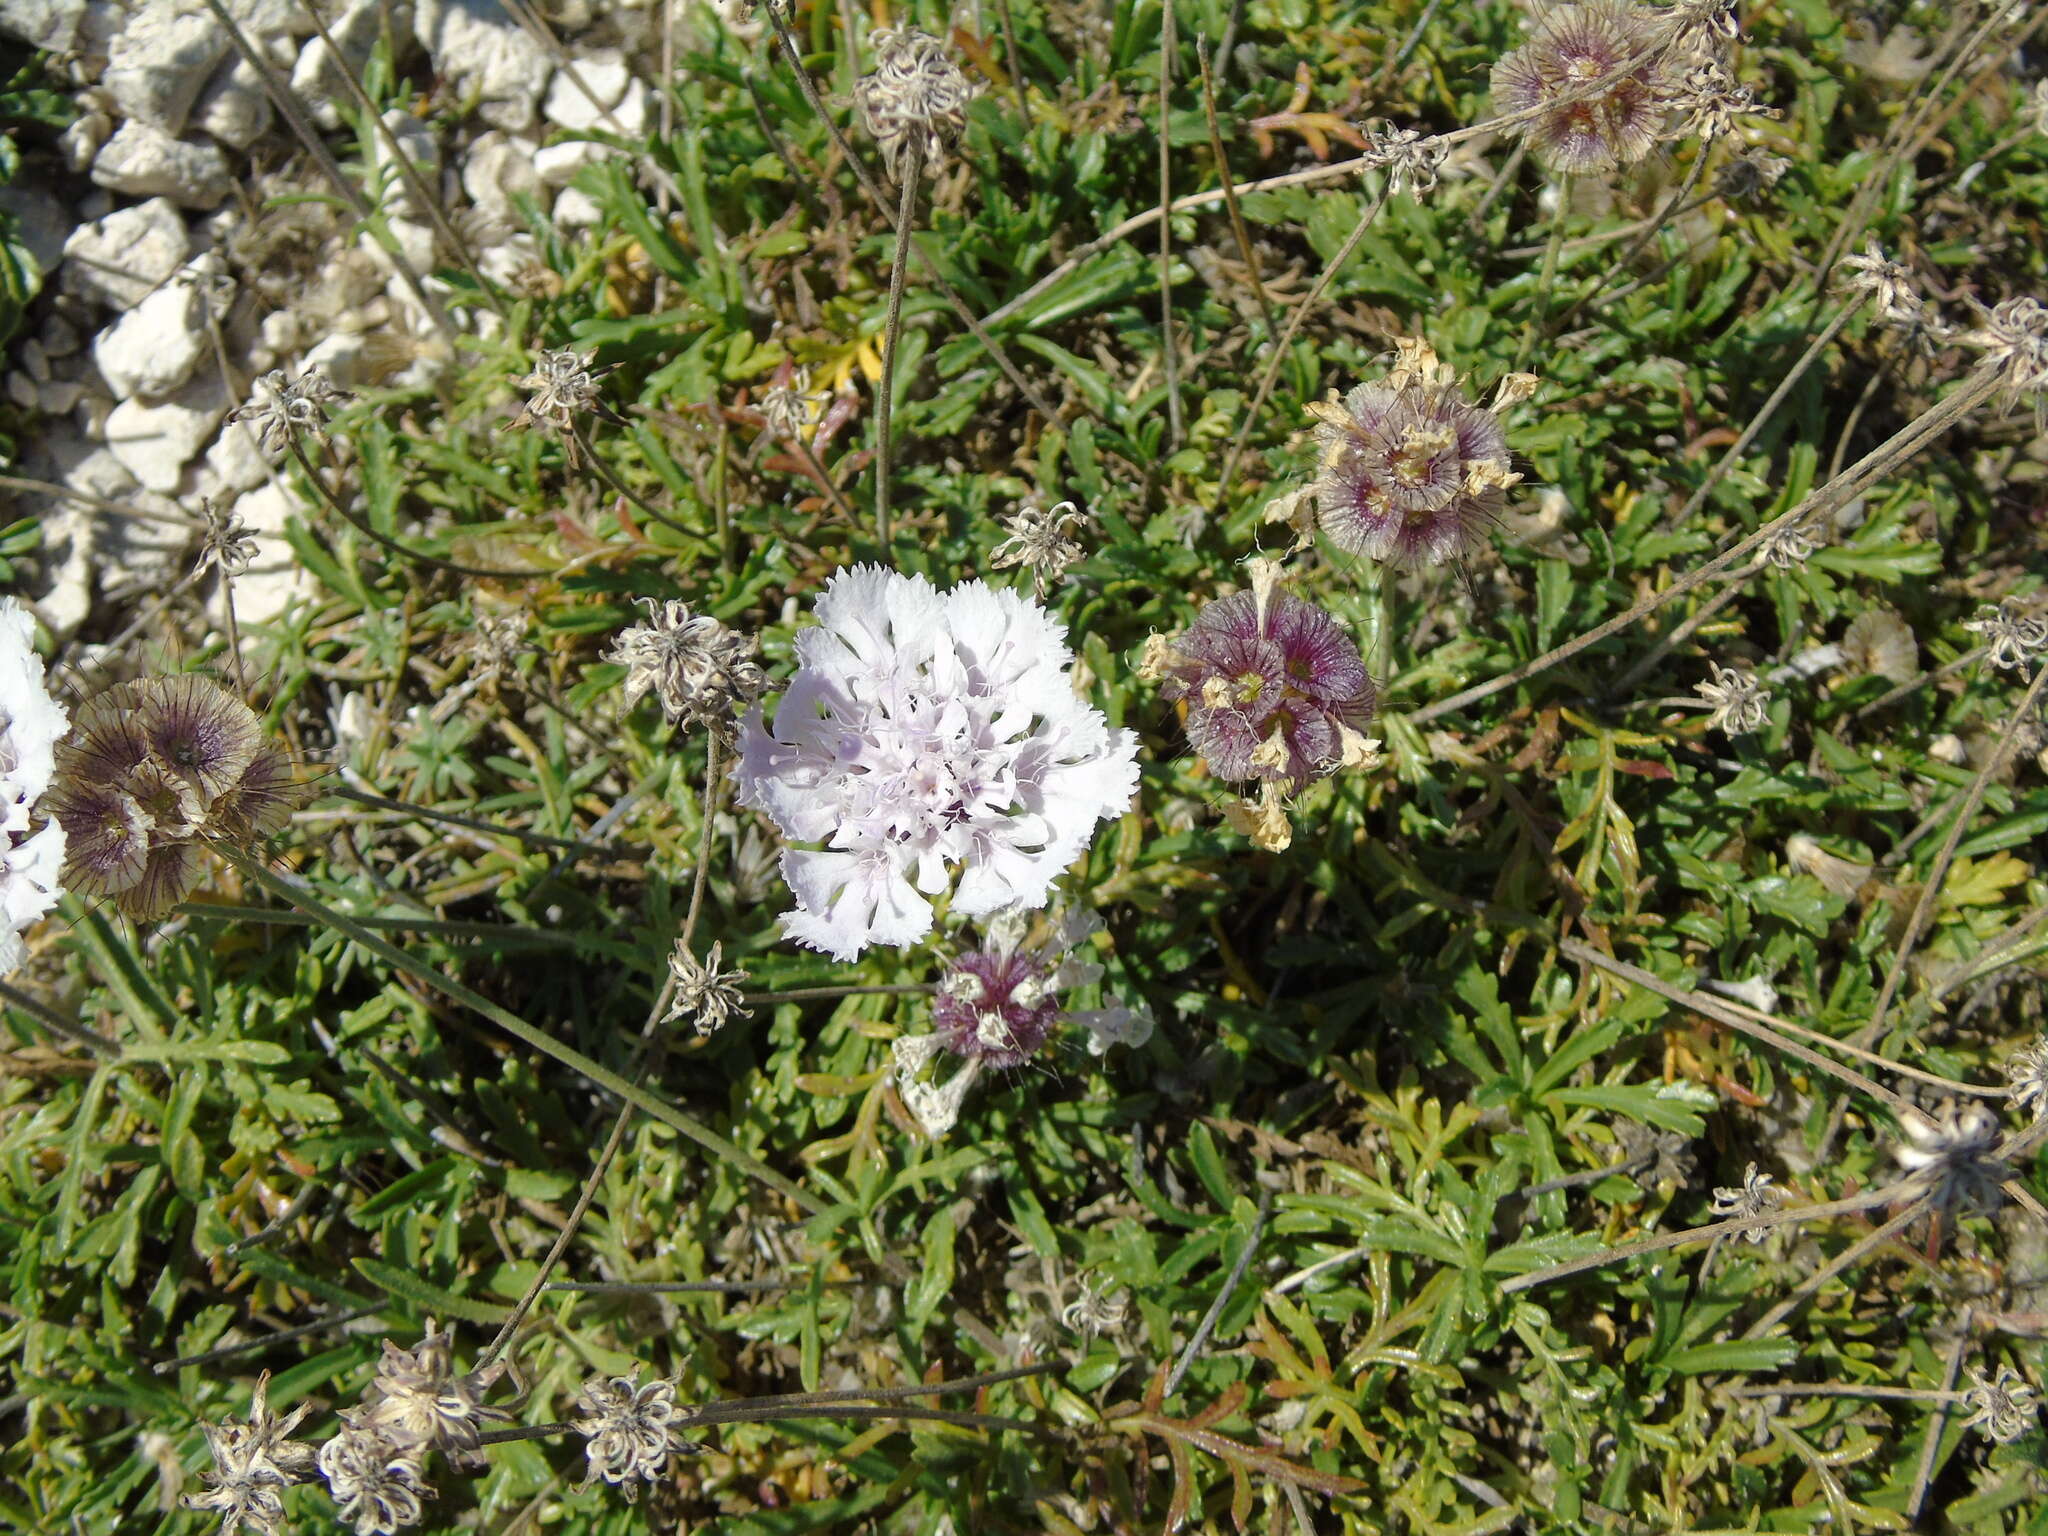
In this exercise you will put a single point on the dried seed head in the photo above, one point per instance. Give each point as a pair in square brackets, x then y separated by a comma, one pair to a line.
[1041, 542]
[1708, 100]
[2026, 1077]
[1757, 1195]
[253, 1463]
[1410, 158]
[2013, 639]
[1953, 1154]
[1789, 548]
[416, 1402]
[1738, 701]
[227, 544]
[2004, 1406]
[630, 1431]
[1845, 877]
[1592, 85]
[377, 1487]
[1271, 689]
[916, 95]
[561, 388]
[791, 411]
[1879, 642]
[1890, 286]
[699, 669]
[1095, 1312]
[705, 993]
[285, 410]
[1410, 470]
[2013, 336]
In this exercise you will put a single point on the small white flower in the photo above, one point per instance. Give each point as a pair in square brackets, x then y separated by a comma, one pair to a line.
[1410, 159]
[417, 1402]
[1953, 1154]
[1738, 701]
[284, 410]
[1888, 283]
[31, 722]
[2026, 1076]
[2013, 336]
[699, 669]
[925, 732]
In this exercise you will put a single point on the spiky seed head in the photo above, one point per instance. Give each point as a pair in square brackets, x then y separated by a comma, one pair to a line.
[916, 95]
[1593, 85]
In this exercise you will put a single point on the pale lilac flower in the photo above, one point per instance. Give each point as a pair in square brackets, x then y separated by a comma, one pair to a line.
[30, 724]
[926, 731]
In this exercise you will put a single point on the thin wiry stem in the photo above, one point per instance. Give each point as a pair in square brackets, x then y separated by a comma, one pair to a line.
[1707, 1234]
[1210, 1318]
[478, 824]
[1712, 1008]
[1902, 445]
[425, 199]
[1766, 413]
[1914, 685]
[1924, 1473]
[587, 452]
[1868, 1243]
[1278, 357]
[977, 326]
[282, 1336]
[1930, 892]
[892, 331]
[1843, 1389]
[1014, 57]
[525, 1033]
[819, 994]
[1238, 229]
[1170, 354]
[288, 107]
[56, 1023]
[1849, 1048]
[1546, 279]
[667, 1287]
[1682, 632]
[361, 525]
[650, 1055]
[1636, 247]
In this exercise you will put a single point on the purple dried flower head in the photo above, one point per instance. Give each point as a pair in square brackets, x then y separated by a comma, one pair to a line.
[1274, 687]
[152, 769]
[922, 731]
[1573, 129]
[998, 1005]
[1411, 471]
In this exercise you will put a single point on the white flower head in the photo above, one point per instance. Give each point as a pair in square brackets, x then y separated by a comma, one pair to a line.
[1756, 1195]
[30, 724]
[926, 732]
[1737, 701]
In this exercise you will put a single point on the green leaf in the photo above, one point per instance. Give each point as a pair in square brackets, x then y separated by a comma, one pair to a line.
[428, 1298]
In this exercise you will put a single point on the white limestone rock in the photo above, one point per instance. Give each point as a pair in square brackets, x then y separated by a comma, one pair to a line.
[486, 58]
[153, 348]
[317, 79]
[234, 108]
[558, 164]
[144, 161]
[607, 86]
[237, 463]
[161, 59]
[154, 442]
[577, 209]
[118, 260]
[497, 171]
[275, 582]
[51, 25]
[415, 141]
